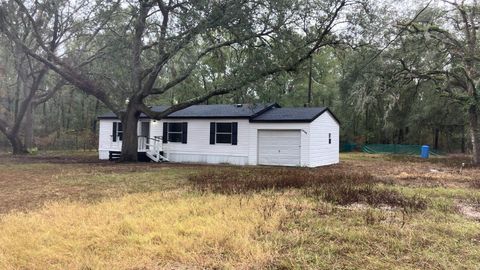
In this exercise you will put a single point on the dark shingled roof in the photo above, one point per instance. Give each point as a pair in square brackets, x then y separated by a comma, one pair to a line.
[256, 113]
[290, 114]
[209, 111]
[220, 110]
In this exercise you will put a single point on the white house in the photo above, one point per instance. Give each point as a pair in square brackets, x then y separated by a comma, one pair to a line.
[235, 134]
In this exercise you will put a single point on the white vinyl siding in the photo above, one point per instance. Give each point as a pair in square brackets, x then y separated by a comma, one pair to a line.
[324, 150]
[198, 148]
[105, 141]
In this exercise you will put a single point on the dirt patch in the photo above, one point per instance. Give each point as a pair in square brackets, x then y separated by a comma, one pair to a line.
[471, 211]
[415, 172]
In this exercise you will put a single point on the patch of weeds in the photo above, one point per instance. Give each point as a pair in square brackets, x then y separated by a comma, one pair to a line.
[255, 180]
[346, 193]
[373, 216]
[475, 184]
[329, 185]
[443, 205]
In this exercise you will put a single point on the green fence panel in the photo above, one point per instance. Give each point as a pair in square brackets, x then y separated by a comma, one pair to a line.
[347, 147]
[404, 149]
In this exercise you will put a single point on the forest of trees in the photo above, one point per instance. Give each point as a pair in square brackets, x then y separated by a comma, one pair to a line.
[393, 72]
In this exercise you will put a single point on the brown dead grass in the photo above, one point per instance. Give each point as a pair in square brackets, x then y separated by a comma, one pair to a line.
[79, 213]
[27, 182]
[415, 172]
[141, 231]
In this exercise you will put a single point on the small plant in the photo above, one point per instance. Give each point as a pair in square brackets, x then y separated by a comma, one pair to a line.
[32, 151]
[370, 217]
[268, 207]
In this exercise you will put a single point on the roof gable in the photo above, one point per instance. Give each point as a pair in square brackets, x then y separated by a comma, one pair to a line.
[298, 114]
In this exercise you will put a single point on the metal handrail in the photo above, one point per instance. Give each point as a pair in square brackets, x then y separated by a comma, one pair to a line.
[155, 138]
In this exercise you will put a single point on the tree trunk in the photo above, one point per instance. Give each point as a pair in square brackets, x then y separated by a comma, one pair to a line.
[474, 133]
[130, 136]
[309, 97]
[29, 127]
[17, 146]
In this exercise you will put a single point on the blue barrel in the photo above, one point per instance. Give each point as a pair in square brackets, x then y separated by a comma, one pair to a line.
[425, 151]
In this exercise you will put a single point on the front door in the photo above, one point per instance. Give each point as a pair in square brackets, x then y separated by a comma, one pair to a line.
[145, 133]
[145, 129]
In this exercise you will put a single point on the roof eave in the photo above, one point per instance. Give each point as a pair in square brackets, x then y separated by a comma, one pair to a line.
[180, 117]
[282, 121]
[207, 117]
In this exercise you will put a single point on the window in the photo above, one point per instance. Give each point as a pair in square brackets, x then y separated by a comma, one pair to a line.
[117, 131]
[226, 133]
[223, 133]
[175, 132]
[329, 138]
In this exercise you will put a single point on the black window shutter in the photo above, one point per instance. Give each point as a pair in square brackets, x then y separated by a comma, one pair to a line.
[165, 129]
[212, 132]
[234, 133]
[114, 132]
[184, 132]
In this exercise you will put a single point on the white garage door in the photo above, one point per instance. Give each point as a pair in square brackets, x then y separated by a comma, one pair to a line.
[279, 147]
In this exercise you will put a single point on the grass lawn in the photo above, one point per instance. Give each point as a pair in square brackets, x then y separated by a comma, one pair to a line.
[368, 212]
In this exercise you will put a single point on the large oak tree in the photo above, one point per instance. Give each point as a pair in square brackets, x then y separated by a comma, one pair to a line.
[138, 45]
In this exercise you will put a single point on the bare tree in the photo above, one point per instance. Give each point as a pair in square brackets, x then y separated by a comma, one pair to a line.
[29, 76]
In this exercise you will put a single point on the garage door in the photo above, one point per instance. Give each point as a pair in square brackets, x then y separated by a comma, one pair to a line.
[279, 147]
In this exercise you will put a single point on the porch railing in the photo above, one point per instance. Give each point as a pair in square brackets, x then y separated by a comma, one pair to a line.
[146, 143]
